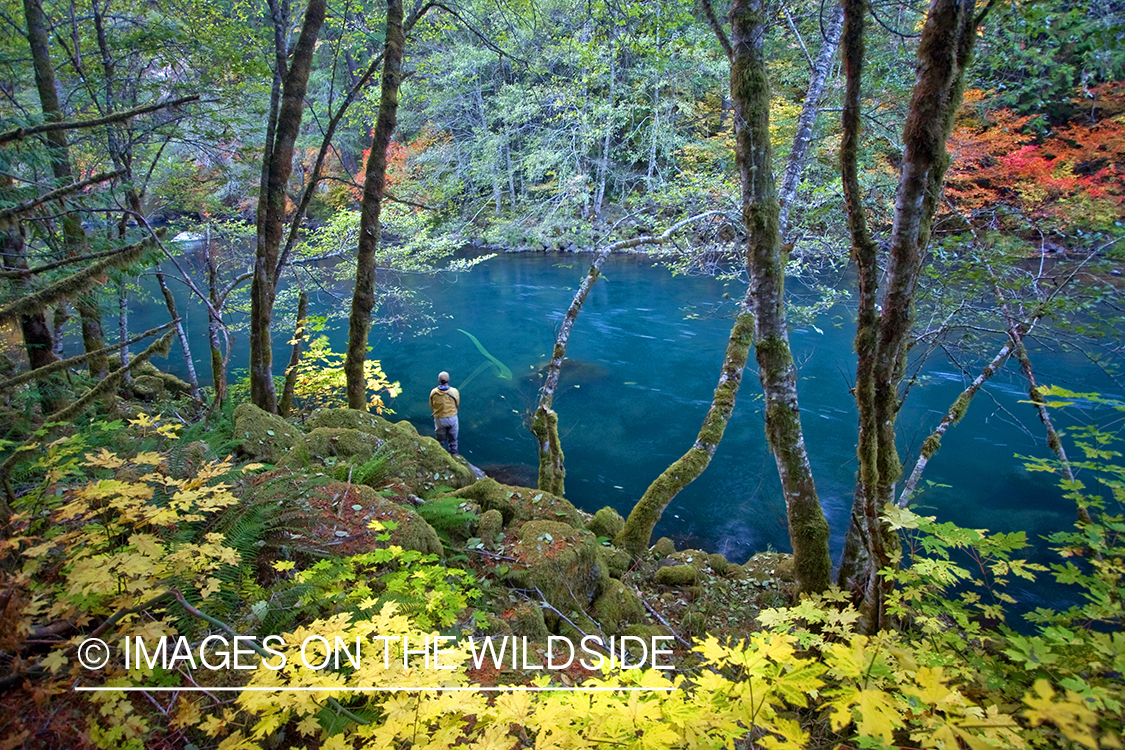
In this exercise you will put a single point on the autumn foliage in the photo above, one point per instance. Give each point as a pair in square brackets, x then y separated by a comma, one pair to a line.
[1009, 168]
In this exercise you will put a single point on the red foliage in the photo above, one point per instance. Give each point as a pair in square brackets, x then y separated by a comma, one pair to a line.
[1073, 174]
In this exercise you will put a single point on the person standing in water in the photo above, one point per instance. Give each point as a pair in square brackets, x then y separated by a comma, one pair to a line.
[444, 402]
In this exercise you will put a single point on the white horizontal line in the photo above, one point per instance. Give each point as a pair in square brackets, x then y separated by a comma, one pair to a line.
[452, 689]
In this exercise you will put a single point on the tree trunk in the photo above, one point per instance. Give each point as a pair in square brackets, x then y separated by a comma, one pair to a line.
[799, 154]
[634, 537]
[74, 236]
[808, 528]
[214, 323]
[882, 335]
[123, 325]
[374, 184]
[271, 207]
[286, 403]
[36, 333]
[181, 334]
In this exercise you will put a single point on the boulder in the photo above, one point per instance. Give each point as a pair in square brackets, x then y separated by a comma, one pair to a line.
[490, 526]
[331, 442]
[677, 575]
[349, 508]
[147, 387]
[564, 563]
[263, 435]
[520, 504]
[664, 547]
[607, 523]
[617, 607]
[418, 462]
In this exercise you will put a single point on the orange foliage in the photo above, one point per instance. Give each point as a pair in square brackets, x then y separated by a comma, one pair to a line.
[402, 157]
[1074, 174]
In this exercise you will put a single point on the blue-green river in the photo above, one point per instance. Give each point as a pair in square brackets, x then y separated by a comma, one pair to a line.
[644, 358]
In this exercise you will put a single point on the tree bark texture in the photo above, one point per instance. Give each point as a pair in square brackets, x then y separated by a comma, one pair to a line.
[37, 338]
[181, 334]
[287, 394]
[74, 236]
[883, 333]
[799, 154]
[750, 94]
[271, 207]
[370, 227]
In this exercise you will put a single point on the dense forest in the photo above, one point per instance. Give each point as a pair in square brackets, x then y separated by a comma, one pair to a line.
[246, 550]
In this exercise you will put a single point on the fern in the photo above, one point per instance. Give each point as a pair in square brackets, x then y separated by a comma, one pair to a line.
[449, 518]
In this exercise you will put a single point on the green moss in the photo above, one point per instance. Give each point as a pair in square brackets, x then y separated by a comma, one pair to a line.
[617, 560]
[718, 563]
[617, 607]
[325, 443]
[607, 522]
[350, 419]
[563, 563]
[931, 445]
[527, 620]
[693, 623]
[147, 387]
[170, 382]
[664, 547]
[520, 504]
[263, 435]
[490, 526]
[677, 575]
[423, 464]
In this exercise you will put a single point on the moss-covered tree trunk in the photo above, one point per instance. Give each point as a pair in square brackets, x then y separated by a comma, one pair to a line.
[370, 226]
[634, 537]
[750, 95]
[37, 339]
[74, 236]
[272, 203]
[883, 332]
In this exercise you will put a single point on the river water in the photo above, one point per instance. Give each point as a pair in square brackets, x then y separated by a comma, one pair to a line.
[644, 360]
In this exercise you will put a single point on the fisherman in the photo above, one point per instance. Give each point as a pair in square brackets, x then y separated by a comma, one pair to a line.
[444, 402]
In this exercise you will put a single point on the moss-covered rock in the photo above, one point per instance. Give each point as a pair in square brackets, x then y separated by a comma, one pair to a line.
[718, 563]
[564, 563]
[520, 504]
[263, 435]
[325, 443]
[422, 464]
[349, 419]
[490, 526]
[147, 387]
[169, 381]
[526, 619]
[364, 505]
[617, 560]
[768, 568]
[696, 558]
[677, 575]
[617, 607]
[418, 462]
[664, 547]
[606, 522]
